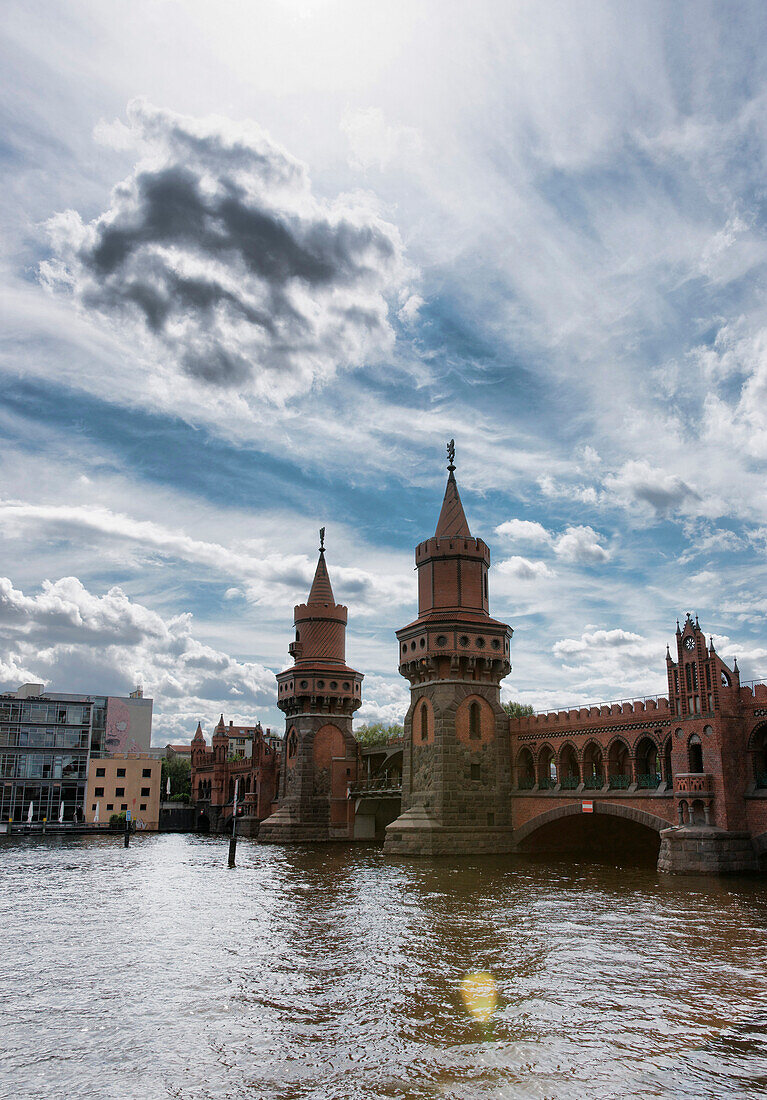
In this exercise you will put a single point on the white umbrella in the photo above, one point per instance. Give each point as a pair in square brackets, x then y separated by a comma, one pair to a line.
[30, 812]
[61, 811]
[96, 815]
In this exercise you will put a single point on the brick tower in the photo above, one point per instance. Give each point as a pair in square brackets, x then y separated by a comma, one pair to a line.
[318, 697]
[456, 774]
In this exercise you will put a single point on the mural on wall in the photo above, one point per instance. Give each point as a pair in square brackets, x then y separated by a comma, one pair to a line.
[118, 728]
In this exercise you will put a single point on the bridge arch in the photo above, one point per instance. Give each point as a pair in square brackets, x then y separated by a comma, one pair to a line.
[638, 830]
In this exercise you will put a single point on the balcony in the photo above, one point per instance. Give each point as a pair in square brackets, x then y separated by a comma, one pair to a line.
[691, 784]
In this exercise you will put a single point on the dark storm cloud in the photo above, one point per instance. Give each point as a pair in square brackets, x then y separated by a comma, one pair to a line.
[217, 248]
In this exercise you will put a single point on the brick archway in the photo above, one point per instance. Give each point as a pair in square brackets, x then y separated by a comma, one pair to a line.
[628, 813]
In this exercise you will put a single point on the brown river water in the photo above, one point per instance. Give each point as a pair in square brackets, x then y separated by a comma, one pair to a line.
[335, 973]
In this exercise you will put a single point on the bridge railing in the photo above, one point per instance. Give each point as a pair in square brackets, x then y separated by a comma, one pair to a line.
[385, 783]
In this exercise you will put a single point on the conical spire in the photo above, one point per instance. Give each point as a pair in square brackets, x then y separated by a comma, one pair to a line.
[220, 727]
[321, 592]
[198, 734]
[452, 520]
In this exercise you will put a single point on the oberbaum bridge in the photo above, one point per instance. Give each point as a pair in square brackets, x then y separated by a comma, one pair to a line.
[682, 776]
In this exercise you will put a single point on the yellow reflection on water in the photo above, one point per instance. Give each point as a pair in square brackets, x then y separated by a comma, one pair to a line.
[479, 994]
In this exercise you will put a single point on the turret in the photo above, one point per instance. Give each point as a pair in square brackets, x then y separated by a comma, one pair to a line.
[320, 678]
[453, 636]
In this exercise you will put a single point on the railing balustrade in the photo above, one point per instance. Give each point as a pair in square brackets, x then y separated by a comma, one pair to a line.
[648, 781]
[594, 782]
[569, 782]
[619, 782]
[526, 783]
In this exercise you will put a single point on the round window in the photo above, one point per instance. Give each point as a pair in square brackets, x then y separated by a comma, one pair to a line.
[463, 640]
[480, 643]
[304, 684]
[320, 683]
[496, 644]
[412, 645]
[422, 643]
[441, 639]
[333, 685]
[346, 685]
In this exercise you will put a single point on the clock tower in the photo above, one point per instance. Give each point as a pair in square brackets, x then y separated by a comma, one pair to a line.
[455, 774]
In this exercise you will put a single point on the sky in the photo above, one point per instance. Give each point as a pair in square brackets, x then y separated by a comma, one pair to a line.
[259, 261]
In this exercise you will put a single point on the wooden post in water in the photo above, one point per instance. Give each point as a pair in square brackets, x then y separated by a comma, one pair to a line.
[233, 841]
[126, 839]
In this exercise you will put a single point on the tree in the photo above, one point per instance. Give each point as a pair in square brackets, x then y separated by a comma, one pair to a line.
[179, 769]
[518, 710]
[376, 733]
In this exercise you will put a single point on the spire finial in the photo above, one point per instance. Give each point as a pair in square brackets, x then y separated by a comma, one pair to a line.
[322, 540]
[451, 455]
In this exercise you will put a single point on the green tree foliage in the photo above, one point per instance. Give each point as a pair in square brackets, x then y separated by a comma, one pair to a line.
[518, 710]
[376, 733]
[180, 771]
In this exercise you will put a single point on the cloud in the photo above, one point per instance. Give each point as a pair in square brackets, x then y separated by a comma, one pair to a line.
[375, 143]
[638, 482]
[74, 640]
[523, 530]
[581, 545]
[219, 262]
[524, 569]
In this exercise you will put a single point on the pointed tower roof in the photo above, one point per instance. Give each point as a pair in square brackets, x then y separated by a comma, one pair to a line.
[198, 734]
[220, 729]
[452, 520]
[321, 592]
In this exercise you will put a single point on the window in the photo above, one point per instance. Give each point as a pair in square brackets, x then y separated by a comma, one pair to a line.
[93, 807]
[124, 806]
[424, 722]
[475, 773]
[142, 806]
[98, 792]
[475, 730]
[121, 773]
[146, 774]
[110, 805]
[695, 754]
[119, 792]
[145, 792]
[100, 773]
[491, 819]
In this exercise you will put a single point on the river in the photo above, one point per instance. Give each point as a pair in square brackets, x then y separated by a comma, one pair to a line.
[334, 973]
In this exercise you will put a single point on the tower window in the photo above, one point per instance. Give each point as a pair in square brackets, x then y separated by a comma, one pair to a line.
[424, 722]
[695, 754]
[475, 773]
[475, 721]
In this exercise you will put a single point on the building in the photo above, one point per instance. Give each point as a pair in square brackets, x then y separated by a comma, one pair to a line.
[122, 782]
[689, 769]
[683, 774]
[318, 696]
[47, 740]
[217, 769]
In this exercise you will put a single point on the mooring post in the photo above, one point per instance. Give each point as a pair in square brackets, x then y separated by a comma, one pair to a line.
[233, 841]
[126, 838]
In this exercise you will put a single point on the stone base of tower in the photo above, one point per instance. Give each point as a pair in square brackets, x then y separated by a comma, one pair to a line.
[417, 833]
[285, 826]
[705, 850]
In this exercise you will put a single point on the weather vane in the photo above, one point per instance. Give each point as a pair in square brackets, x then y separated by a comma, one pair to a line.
[322, 540]
[451, 455]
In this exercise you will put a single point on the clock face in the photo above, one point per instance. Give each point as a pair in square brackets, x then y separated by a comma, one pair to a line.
[689, 643]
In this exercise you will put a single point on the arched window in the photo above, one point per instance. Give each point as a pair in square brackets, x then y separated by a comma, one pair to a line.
[695, 754]
[424, 722]
[292, 744]
[475, 720]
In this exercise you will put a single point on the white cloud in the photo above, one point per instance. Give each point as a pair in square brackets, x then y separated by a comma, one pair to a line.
[582, 545]
[523, 569]
[523, 530]
[376, 143]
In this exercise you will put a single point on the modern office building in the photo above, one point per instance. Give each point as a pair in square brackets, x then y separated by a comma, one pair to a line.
[47, 740]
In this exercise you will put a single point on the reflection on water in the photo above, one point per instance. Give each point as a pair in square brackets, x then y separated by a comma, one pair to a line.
[332, 972]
